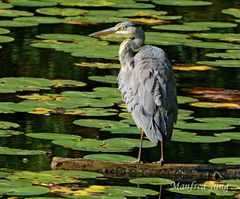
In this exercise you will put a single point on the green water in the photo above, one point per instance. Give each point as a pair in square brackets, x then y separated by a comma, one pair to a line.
[18, 59]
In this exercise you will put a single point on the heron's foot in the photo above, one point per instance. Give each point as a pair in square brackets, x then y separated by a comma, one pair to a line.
[137, 161]
[161, 162]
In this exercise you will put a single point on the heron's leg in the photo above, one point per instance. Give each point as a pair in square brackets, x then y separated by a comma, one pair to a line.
[162, 153]
[140, 146]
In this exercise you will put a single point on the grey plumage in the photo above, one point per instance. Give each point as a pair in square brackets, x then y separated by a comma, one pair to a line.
[146, 83]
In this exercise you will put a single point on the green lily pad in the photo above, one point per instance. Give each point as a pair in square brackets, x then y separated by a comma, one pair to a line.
[221, 36]
[4, 39]
[152, 181]
[8, 125]
[182, 2]
[107, 92]
[15, 13]
[222, 105]
[229, 54]
[99, 65]
[52, 136]
[232, 11]
[5, 5]
[122, 129]
[110, 157]
[4, 31]
[40, 20]
[185, 99]
[91, 112]
[11, 23]
[129, 142]
[9, 133]
[129, 191]
[54, 11]
[222, 120]
[226, 160]
[111, 79]
[199, 139]
[213, 45]
[97, 123]
[184, 114]
[33, 3]
[229, 135]
[204, 126]
[67, 83]
[91, 145]
[222, 63]
[13, 151]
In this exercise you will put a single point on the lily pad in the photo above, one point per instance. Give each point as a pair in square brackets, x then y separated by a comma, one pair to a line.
[226, 160]
[33, 3]
[229, 135]
[14, 151]
[123, 129]
[111, 79]
[221, 105]
[54, 11]
[40, 20]
[5, 5]
[8, 125]
[231, 37]
[222, 120]
[129, 142]
[9, 133]
[15, 13]
[229, 54]
[232, 11]
[213, 45]
[4, 31]
[91, 112]
[152, 181]
[4, 39]
[182, 2]
[97, 123]
[67, 83]
[204, 126]
[110, 157]
[11, 23]
[185, 99]
[99, 65]
[222, 63]
[52, 136]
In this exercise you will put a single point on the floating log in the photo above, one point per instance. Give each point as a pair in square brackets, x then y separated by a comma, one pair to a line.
[181, 172]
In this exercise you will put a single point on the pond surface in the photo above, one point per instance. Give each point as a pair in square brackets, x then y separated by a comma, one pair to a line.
[208, 90]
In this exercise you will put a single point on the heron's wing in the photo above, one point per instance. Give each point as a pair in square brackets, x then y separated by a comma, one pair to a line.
[154, 89]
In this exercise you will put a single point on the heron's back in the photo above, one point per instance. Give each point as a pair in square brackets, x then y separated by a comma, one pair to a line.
[149, 92]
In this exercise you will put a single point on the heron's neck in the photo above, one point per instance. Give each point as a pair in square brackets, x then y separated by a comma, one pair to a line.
[128, 48]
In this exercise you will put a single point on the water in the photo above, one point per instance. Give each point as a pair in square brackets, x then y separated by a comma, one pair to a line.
[19, 59]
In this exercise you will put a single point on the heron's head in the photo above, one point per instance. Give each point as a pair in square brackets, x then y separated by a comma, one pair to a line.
[127, 28]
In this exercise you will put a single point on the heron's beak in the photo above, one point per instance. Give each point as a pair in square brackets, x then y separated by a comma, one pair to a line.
[102, 33]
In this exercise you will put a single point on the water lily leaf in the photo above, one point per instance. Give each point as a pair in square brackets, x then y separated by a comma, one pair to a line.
[33, 3]
[54, 11]
[148, 21]
[110, 157]
[40, 20]
[5, 5]
[189, 67]
[182, 2]
[122, 129]
[184, 114]
[9, 133]
[11, 23]
[129, 191]
[213, 45]
[26, 191]
[4, 39]
[8, 125]
[107, 92]
[204, 126]
[140, 13]
[232, 11]
[128, 142]
[199, 139]
[104, 79]
[185, 99]
[222, 63]
[226, 160]
[98, 65]
[4, 31]
[221, 36]
[96, 123]
[52, 136]
[222, 105]
[229, 135]
[229, 54]
[91, 145]
[67, 83]
[152, 181]
[91, 112]
[222, 120]
[13, 151]
[14, 13]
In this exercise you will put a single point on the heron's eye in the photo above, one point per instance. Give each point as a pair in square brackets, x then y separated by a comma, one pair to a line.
[120, 28]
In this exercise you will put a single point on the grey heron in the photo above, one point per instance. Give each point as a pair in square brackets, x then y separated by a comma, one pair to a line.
[146, 83]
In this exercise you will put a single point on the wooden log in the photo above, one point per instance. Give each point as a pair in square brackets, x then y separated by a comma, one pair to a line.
[180, 172]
